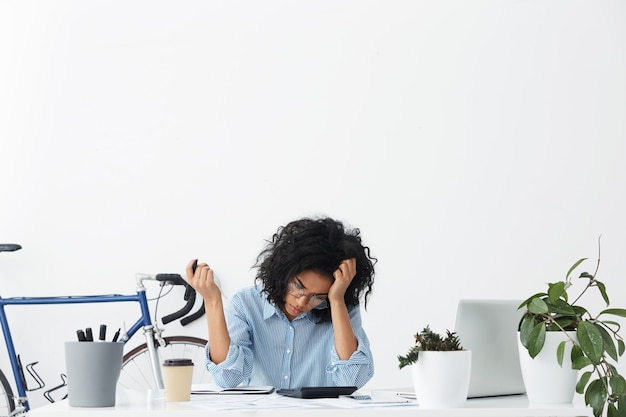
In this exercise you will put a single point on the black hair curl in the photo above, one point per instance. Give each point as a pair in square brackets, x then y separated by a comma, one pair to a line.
[318, 245]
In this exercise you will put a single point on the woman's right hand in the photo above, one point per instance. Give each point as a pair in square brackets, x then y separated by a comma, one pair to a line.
[202, 281]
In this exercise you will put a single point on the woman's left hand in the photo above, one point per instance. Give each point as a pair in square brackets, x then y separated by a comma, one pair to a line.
[343, 277]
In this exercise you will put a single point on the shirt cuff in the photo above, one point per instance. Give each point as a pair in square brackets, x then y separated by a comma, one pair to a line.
[233, 361]
[359, 357]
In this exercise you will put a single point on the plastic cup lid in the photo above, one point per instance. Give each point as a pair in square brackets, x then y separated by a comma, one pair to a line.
[178, 362]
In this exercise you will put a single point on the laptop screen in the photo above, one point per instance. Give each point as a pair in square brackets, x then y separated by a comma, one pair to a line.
[489, 329]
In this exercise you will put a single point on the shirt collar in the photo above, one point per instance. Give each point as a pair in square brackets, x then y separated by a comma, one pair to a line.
[270, 309]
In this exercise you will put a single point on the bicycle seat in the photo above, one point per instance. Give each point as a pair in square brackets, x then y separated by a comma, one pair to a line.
[9, 247]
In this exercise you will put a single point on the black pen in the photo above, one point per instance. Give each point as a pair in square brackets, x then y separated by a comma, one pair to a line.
[116, 335]
[89, 334]
[103, 332]
[81, 336]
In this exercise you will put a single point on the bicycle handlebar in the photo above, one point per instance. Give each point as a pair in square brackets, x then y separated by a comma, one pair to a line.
[195, 316]
[190, 297]
[174, 279]
[9, 247]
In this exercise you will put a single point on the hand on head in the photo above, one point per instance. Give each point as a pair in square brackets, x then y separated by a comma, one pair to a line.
[343, 277]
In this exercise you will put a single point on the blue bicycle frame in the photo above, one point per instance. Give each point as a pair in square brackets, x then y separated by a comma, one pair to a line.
[144, 322]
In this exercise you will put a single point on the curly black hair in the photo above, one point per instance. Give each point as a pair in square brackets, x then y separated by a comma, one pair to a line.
[318, 245]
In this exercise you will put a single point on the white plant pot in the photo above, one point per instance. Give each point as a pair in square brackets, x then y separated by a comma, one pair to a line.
[546, 382]
[441, 379]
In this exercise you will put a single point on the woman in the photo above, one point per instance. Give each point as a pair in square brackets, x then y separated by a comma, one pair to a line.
[301, 324]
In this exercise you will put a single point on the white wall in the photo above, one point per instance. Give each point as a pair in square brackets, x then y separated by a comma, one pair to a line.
[477, 145]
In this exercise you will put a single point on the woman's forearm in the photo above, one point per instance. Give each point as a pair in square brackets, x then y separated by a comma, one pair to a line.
[345, 340]
[219, 339]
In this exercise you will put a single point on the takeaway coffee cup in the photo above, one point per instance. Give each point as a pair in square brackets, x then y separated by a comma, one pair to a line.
[177, 376]
[93, 369]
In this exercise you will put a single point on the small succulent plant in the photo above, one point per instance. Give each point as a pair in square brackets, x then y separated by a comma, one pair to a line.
[430, 340]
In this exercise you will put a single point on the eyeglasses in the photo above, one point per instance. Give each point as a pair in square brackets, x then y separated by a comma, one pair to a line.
[296, 289]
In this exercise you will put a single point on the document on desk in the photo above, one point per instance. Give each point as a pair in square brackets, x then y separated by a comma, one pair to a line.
[375, 398]
[244, 402]
[276, 401]
[209, 389]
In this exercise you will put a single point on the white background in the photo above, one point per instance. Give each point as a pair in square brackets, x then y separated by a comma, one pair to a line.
[478, 145]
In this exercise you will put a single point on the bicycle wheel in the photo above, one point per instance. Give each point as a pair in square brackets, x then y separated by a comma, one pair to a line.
[7, 406]
[137, 369]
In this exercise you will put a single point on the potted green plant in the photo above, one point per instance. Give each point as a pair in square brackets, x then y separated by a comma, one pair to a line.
[435, 361]
[593, 340]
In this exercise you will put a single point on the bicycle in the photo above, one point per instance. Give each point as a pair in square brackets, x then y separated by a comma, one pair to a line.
[140, 365]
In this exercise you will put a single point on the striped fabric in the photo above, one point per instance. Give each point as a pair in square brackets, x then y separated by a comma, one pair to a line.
[267, 349]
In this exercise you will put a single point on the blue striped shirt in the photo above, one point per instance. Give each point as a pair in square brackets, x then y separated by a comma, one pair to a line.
[267, 349]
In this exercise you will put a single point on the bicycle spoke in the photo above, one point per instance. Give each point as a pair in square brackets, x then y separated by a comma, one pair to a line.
[196, 354]
[137, 368]
[137, 374]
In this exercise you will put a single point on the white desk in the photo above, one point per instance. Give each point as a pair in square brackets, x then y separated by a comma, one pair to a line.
[136, 404]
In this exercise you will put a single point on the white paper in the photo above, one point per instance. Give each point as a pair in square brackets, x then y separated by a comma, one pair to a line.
[208, 389]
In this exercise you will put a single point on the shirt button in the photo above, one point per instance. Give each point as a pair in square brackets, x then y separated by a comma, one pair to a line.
[288, 350]
[286, 377]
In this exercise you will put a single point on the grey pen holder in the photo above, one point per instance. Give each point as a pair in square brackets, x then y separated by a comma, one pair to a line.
[93, 369]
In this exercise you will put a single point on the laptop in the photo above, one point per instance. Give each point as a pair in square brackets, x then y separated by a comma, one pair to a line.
[489, 329]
